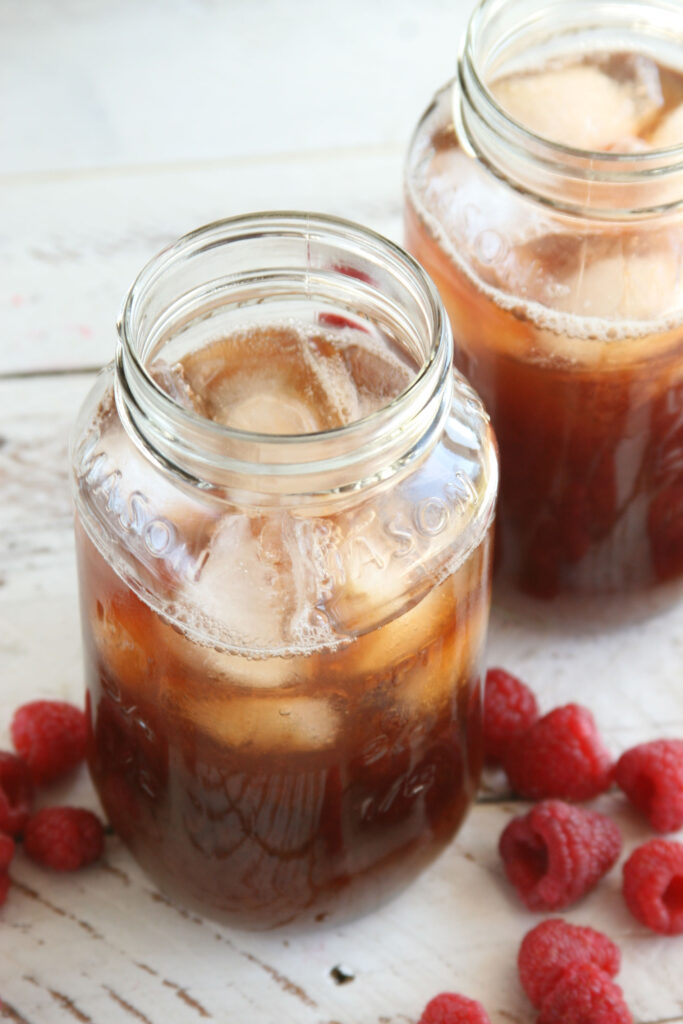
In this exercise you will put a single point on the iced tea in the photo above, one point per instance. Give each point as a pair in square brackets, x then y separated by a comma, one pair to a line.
[569, 323]
[281, 728]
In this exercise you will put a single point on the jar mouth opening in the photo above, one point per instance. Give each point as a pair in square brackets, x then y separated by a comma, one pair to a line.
[252, 265]
[501, 35]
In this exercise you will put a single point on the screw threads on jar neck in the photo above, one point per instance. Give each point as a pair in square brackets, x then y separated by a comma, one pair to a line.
[274, 264]
[517, 33]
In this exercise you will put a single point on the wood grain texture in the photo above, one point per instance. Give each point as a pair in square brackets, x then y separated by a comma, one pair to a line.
[102, 85]
[107, 946]
[123, 125]
[71, 246]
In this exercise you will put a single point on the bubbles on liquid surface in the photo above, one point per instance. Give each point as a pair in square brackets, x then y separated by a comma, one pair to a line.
[612, 276]
[566, 289]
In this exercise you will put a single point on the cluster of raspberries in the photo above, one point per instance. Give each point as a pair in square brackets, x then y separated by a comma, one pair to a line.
[558, 852]
[567, 973]
[553, 855]
[49, 738]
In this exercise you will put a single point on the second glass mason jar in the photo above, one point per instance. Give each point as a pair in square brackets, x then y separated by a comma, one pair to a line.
[284, 502]
[545, 198]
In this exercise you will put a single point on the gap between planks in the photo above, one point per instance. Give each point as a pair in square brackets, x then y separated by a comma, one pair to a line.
[66, 371]
[387, 149]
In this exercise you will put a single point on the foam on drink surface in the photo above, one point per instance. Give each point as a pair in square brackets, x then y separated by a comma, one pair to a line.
[617, 284]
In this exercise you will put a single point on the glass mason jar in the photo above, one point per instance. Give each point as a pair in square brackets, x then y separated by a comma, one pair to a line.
[284, 501]
[545, 198]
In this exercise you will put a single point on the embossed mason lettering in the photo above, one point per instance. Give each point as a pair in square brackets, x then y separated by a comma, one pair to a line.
[431, 516]
[133, 512]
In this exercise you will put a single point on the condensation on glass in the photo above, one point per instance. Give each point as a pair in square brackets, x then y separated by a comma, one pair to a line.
[284, 501]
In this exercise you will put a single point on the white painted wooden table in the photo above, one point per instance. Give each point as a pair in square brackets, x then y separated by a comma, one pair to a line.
[122, 125]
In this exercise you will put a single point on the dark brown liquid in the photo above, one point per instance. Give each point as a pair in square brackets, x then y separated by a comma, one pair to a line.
[313, 799]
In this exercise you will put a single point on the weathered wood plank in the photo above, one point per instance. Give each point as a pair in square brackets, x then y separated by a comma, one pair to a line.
[457, 928]
[71, 246]
[98, 84]
[90, 943]
[161, 117]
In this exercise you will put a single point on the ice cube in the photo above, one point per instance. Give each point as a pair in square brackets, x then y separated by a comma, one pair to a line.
[273, 380]
[447, 664]
[258, 595]
[209, 665]
[268, 724]
[173, 381]
[239, 593]
[600, 287]
[625, 286]
[579, 105]
[368, 583]
[270, 412]
[379, 372]
[378, 651]
[669, 132]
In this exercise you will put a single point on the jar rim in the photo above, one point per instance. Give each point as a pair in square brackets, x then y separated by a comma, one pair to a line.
[237, 227]
[211, 453]
[626, 170]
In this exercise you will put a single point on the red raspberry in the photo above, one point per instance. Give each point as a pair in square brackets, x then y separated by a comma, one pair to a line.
[449, 1008]
[653, 885]
[6, 852]
[553, 946]
[16, 793]
[50, 735]
[557, 853]
[510, 709]
[64, 838]
[585, 995]
[4, 889]
[651, 775]
[560, 756]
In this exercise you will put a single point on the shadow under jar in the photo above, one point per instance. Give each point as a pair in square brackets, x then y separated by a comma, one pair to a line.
[544, 195]
[284, 501]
